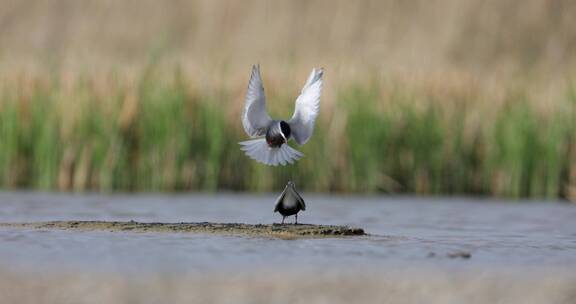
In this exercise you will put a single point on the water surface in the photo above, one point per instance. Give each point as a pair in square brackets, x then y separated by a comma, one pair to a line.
[405, 232]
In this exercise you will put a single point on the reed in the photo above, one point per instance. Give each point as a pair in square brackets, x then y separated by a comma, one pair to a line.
[427, 97]
[159, 133]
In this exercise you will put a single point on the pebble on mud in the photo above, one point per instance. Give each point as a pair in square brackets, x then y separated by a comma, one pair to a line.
[453, 255]
[459, 255]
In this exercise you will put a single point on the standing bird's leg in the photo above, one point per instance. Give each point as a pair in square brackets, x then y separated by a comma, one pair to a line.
[283, 217]
[296, 219]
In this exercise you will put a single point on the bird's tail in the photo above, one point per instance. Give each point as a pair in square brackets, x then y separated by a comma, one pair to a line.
[258, 150]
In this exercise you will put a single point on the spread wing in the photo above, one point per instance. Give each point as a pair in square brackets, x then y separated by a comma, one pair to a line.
[255, 119]
[307, 108]
[279, 199]
[300, 200]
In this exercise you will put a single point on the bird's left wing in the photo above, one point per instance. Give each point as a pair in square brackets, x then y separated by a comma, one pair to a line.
[279, 199]
[255, 119]
[307, 108]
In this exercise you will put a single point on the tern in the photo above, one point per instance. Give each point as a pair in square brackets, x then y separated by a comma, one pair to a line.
[271, 144]
[289, 202]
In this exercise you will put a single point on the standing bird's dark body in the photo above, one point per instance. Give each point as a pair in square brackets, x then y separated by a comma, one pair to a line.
[290, 202]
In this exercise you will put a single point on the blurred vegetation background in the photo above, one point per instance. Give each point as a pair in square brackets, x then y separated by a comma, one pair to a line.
[427, 97]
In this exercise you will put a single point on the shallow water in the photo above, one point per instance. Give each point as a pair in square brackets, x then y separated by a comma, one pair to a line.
[405, 232]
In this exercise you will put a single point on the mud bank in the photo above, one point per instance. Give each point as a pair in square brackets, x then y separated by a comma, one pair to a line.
[261, 230]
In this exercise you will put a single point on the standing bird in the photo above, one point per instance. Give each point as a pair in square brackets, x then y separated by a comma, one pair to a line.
[271, 147]
[290, 202]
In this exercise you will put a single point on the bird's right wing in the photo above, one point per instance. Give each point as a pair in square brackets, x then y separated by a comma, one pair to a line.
[300, 200]
[255, 119]
[307, 108]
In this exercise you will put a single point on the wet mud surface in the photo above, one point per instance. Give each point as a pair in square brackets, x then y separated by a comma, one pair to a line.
[256, 230]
